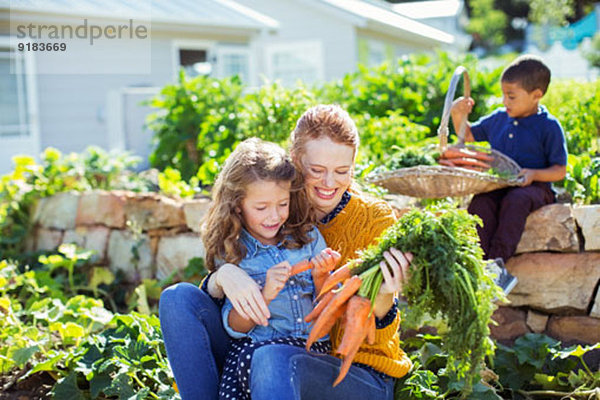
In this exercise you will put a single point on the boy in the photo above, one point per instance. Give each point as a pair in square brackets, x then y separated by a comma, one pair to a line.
[525, 131]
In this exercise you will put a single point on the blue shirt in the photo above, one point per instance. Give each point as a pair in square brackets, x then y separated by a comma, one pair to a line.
[536, 141]
[293, 302]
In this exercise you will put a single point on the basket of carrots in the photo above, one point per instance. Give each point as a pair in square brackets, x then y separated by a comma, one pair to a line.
[457, 170]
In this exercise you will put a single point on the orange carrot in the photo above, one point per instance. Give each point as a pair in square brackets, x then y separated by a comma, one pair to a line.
[346, 364]
[327, 318]
[455, 152]
[356, 324]
[319, 307]
[325, 327]
[446, 162]
[470, 162]
[301, 266]
[371, 329]
[305, 265]
[339, 276]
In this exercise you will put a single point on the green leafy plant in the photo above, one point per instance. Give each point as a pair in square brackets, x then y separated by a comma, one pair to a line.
[447, 279]
[171, 184]
[582, 180]
[195, 127]
[271, 112]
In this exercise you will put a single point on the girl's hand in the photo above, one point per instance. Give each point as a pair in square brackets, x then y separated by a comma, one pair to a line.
[323, 264]
[277, 276]
[395, 273]
[243, 292]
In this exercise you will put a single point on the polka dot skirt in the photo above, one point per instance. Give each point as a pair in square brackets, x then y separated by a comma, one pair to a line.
[235, 381]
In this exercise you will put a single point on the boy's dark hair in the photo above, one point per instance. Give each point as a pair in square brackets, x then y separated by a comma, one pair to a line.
[528, 71]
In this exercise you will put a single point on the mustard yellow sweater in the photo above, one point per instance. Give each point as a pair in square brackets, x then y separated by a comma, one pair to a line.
[362, 220]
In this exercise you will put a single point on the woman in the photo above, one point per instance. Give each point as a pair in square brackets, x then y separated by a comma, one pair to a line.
[324, 146]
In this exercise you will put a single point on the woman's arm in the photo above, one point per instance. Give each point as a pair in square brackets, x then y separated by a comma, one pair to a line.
[243, 292]
[276, 278]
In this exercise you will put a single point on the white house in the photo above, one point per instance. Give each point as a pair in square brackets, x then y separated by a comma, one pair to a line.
[449, 16]
[89, 93]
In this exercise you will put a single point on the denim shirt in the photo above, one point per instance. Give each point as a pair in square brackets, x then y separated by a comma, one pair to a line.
[293, 302]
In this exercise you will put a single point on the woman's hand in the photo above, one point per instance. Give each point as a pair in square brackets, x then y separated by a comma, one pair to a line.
[243, 292]
[395, 273]
[276, 278]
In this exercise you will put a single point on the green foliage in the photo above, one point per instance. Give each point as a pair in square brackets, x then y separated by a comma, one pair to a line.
[126, 360]
[271, 112]
[447, 279]
[487, 22]
[380, 134]
[593, 53]
[551, 12]
[582, 180]
[171, 184]
[195, 125]
[414, 87]
[537, 363]
[576, 106]
[90, 352]
[201, 120]
[29, 181]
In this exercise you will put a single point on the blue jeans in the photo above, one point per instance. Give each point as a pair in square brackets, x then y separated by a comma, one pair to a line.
[197, 346]
[293, 374]
[195, 339]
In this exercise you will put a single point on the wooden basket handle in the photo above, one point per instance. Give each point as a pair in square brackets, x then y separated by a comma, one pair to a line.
[443, 129]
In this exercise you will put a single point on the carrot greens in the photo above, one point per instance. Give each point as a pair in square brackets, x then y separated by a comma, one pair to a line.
[447, 279]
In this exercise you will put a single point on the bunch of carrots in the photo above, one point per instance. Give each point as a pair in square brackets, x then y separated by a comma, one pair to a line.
[447, 279]
[358, 319]
[466, 158]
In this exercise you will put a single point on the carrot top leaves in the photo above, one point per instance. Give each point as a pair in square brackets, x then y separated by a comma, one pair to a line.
[447, 279]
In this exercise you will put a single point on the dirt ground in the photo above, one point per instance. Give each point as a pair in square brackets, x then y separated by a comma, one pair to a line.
[35, 387]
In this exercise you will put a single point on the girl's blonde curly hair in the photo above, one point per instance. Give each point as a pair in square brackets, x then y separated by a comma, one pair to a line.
[251, 161]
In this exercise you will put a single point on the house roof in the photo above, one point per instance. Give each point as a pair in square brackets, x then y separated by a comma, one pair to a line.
[383, 13]
[429, 9]
[223, 13]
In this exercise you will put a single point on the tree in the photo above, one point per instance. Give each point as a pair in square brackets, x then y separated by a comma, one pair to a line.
[487, 24]
[593, 54]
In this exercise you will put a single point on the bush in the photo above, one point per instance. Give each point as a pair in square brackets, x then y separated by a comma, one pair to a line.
[415, 87]
[576, 106]
[196, 125]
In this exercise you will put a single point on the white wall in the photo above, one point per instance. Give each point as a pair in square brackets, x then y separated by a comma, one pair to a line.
[73, 107]
[303, 21]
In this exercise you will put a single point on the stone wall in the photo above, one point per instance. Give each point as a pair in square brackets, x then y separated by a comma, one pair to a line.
[557, 261]
[558, 267]
[164, 231]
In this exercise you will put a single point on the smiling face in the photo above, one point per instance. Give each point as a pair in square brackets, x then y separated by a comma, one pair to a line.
[519, 102]
[327, 169]
[265, 208]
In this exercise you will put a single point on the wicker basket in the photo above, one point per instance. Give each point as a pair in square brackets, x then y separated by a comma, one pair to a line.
[440, 181]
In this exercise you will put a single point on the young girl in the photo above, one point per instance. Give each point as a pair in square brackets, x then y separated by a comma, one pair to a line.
[259, 222]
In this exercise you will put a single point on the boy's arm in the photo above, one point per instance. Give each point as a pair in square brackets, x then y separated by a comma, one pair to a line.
[551, 174]
[461, 108]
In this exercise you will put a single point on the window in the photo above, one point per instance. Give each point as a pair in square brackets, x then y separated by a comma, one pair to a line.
[294, 61]
[372, 52]
[14, 103]
[195, 62]
[233, 60]
[194, 57]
